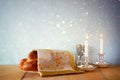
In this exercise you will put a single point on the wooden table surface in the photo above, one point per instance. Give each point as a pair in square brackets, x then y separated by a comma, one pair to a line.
[12, 72]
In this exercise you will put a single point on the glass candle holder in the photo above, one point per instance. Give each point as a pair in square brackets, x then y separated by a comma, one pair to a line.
[101, 62]
[86, 66]
[101, 58]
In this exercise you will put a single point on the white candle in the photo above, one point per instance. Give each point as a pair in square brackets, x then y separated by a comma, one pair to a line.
[86, 45]
[101, 44]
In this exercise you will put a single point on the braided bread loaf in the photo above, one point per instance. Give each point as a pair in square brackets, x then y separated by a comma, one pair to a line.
[30, 63]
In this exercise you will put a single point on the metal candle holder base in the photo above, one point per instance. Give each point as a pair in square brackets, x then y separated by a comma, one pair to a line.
[86, 66]
[101, 62]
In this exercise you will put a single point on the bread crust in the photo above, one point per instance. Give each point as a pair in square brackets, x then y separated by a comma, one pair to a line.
[30, 63]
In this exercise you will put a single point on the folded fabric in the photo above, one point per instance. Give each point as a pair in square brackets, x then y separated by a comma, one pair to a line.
[55, 62]
[49, 62]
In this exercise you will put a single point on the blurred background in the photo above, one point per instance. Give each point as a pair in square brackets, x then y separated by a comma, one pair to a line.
[58, 24]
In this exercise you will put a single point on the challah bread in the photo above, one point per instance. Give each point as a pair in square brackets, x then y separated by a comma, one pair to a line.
[32, 55]
[30, 63]
[49, 62]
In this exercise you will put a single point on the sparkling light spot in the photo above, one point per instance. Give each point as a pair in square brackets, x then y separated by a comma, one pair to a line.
[81, 8]
[71, 25]
[63, 22]
[58, 25]
[68, 40]
[86, 13]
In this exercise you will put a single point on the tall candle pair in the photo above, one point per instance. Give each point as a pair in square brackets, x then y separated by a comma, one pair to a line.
[86, 45]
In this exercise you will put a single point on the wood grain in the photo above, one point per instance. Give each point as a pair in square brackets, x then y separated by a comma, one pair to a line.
[111, 73]
[10, 72]
[85, 76]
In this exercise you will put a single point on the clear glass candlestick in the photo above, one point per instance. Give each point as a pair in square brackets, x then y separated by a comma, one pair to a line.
[101, 62]
[101, 58]
[86, 66]
[86, 61]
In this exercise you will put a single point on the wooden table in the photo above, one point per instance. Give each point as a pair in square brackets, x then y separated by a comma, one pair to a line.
[12, 72]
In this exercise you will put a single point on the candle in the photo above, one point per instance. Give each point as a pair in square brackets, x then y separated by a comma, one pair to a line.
[86, 45]
[101, 44]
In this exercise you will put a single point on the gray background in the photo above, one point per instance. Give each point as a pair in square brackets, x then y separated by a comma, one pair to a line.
[58, 24]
